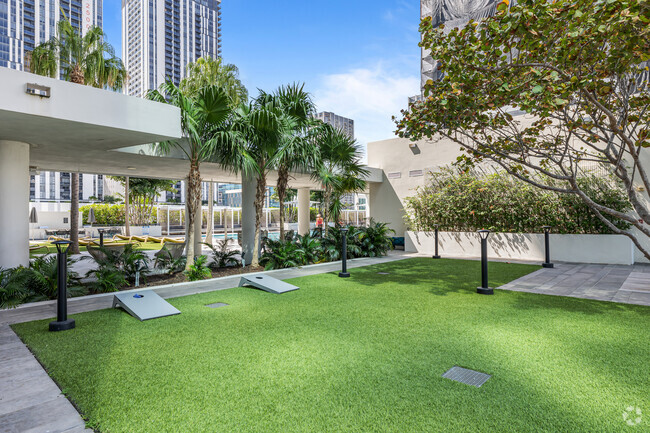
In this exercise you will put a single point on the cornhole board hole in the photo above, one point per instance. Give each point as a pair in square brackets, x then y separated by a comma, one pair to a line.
[266, 283]
[144, 305]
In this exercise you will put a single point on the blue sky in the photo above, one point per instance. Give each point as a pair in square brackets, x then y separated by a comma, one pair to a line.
[359, 59]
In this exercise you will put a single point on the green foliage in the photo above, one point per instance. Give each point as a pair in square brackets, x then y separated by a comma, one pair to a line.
[143, 193]
[199, 269]
[38, 282]
[222, 256]
[106, 214]
[13, 287]
[166, 261]
[282, 254]
[578, 69]
[374, 240]
[469, 201]
[118, 269]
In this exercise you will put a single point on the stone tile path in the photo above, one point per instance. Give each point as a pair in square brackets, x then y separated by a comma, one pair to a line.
[616, 283]
[30, 401]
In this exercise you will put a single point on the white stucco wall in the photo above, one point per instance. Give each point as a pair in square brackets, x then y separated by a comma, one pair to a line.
[612, 249]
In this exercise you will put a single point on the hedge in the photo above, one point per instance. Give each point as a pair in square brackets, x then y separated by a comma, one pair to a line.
[469, 201]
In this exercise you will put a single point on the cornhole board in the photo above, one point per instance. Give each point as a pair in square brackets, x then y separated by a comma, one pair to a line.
[266, 283]
[144, 305]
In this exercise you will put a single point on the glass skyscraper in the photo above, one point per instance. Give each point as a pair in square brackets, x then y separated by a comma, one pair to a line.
[160, 37]
[27, 23]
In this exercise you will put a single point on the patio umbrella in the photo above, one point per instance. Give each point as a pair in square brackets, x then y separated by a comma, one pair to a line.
[33, 217]
[91, 216]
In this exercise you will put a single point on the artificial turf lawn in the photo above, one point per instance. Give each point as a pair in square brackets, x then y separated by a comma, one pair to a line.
[363, 354]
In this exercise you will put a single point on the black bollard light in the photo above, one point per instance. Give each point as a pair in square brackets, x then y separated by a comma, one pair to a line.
[436, 255]
[62, 322]
[547, 246]
[344, 254]
[484, 289]
[101, 237]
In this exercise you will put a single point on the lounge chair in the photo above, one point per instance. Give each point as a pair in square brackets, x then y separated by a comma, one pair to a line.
[171, 251]
[37, 248]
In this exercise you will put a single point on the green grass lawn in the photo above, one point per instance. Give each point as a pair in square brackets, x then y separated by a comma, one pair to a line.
[363, 354]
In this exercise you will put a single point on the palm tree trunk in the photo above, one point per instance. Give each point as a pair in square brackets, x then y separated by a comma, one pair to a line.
[74, 213]
[127, 208]
[193, 200]
[283, 180]
[327, 196]
[259, 208]
[208, 231]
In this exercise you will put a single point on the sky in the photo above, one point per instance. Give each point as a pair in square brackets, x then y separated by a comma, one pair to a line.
[359, 59]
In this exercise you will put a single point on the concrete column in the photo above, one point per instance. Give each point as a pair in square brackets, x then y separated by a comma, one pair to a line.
[208, 232]
[248, 216]
[14, 204]
[303, 211]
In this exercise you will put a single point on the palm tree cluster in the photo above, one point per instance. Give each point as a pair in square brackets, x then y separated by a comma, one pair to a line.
[220, 124]
[271, 132]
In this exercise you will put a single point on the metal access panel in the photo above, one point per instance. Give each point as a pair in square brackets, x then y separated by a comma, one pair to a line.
[144, 305]
[268, 284]
[466, 376]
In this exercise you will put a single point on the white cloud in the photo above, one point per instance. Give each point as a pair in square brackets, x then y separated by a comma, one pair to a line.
[369, 96]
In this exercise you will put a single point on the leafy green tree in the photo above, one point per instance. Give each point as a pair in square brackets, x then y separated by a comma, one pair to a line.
[204, 118]
[87, 60]
[577, 68]
[142, 196]
[339, 170]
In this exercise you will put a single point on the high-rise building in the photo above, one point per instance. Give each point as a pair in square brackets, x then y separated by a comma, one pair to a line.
[451, 13]
[160, 37]
[339, 122]
[54, 186]
[27, 23]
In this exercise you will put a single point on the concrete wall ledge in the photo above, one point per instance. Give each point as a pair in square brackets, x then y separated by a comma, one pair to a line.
[600, 249]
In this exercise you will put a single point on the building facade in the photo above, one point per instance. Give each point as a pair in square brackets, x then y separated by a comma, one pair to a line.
[160, 37]
[27, 23]
[339, 122]
[51, 186]
[451, 13]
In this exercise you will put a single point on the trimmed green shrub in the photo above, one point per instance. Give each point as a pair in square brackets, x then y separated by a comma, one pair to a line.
[469, 201]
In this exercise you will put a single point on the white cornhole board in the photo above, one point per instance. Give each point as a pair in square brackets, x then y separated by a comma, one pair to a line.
[266, 283]
[144, 305]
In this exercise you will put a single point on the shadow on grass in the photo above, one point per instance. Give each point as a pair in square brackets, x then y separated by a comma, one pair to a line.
[534, 301]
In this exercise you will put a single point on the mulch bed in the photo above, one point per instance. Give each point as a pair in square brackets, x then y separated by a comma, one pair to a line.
[164, 279]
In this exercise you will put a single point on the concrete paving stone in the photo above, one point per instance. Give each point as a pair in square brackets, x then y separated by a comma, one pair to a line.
[56, 415]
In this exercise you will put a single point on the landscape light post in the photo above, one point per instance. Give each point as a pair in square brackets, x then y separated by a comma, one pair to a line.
[101, 237]
[62, 322]
[547, 247]
[436, 255]
[484, 289]
[344, 254]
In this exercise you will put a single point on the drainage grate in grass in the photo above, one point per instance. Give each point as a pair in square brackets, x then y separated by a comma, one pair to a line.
[383, 273]
[217, 305]
[466, 376]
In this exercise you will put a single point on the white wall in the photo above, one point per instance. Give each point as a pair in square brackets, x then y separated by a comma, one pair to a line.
[606, 249]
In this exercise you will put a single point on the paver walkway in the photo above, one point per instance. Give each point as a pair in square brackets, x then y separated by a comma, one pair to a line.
[30, 401]
[616, 283]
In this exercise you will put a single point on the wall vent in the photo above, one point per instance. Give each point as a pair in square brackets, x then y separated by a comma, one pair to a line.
[416, 173]
[394, 175]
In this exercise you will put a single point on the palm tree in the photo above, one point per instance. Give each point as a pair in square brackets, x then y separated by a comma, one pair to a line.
[339, 170]
[299, 150]
[84, 60]
[210, 71]
[260, 126]
[204, 118]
